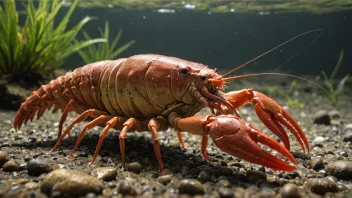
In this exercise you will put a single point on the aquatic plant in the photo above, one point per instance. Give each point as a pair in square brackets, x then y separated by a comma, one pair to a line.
[291, 102]
[103, 51]
[333, 92]
[39, 45]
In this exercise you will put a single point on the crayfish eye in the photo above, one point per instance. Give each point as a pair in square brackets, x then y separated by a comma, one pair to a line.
[203, 77]
[184, 72]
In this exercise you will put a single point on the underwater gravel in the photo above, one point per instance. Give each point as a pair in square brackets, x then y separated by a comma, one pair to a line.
[28, 171]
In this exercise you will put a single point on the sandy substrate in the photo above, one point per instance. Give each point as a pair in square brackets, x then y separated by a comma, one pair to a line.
[27, 169]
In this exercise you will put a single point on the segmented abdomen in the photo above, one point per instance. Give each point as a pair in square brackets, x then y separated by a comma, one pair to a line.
[117, 87]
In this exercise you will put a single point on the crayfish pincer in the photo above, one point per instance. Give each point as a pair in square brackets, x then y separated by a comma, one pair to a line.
[151, 92]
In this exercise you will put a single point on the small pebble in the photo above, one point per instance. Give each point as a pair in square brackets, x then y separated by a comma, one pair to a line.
[266, 192]
[105, 173]
[341, 169]
[10, 166]
[255, 175]
[316, 163]
[321, 117]
[289, 190]
[190, 187]
[321, 185]
[164, 179]
[4, 157]
[125, 188]
[184, 170]
[134, 167]
[223, 182]
[319, 140]
[70, 183]
[344, 154]
[347, 137]
[304, 156]
[204, 176]
[332, 178]
[31, 186]
[225, 192]
[334, 114]
[224, 172]
[38, 166]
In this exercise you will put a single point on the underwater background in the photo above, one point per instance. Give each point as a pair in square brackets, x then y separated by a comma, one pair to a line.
[41, 40]
[228, 38]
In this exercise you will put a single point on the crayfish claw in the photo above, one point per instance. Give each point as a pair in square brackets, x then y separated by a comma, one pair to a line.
[238, 138]
[274, 117]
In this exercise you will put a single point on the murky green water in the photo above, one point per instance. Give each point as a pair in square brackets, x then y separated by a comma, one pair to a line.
[229, 37]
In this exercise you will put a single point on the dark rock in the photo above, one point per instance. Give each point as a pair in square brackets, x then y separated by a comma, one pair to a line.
[289, 190]
[184, 170]
[38, 166]
[322, 117]
[125, 188]
[164, 179]
[341, 169]
[238, 164]
[347, 137]
[305, 156]
[134, 167]
[105, 173]
[223, 172]
[204, 176]
[289, 175]
[10, 166]
[70, 183]
[316, 163]
[321, 185]
[4, 157]
[254, 175]
[191, 187]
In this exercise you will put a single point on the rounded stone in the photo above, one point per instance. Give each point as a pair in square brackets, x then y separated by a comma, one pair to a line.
[31, 186]
[10, 166]
[341, 169]
[164, 179]
[347, 137]
[105, 173]
[322, 117]
[316, 163]
[125, 188]
[289, 190]
[256, 175]
[4, 157]
[38, 166]
[225, 192]
[204, 176]
[70, 183]
[190, 187]
[321, 185]
[134, 167]
[224, 172]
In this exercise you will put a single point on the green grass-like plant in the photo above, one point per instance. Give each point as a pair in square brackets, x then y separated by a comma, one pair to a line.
[103, 51]
[42, 43]
[333, 92]
[291, 102]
